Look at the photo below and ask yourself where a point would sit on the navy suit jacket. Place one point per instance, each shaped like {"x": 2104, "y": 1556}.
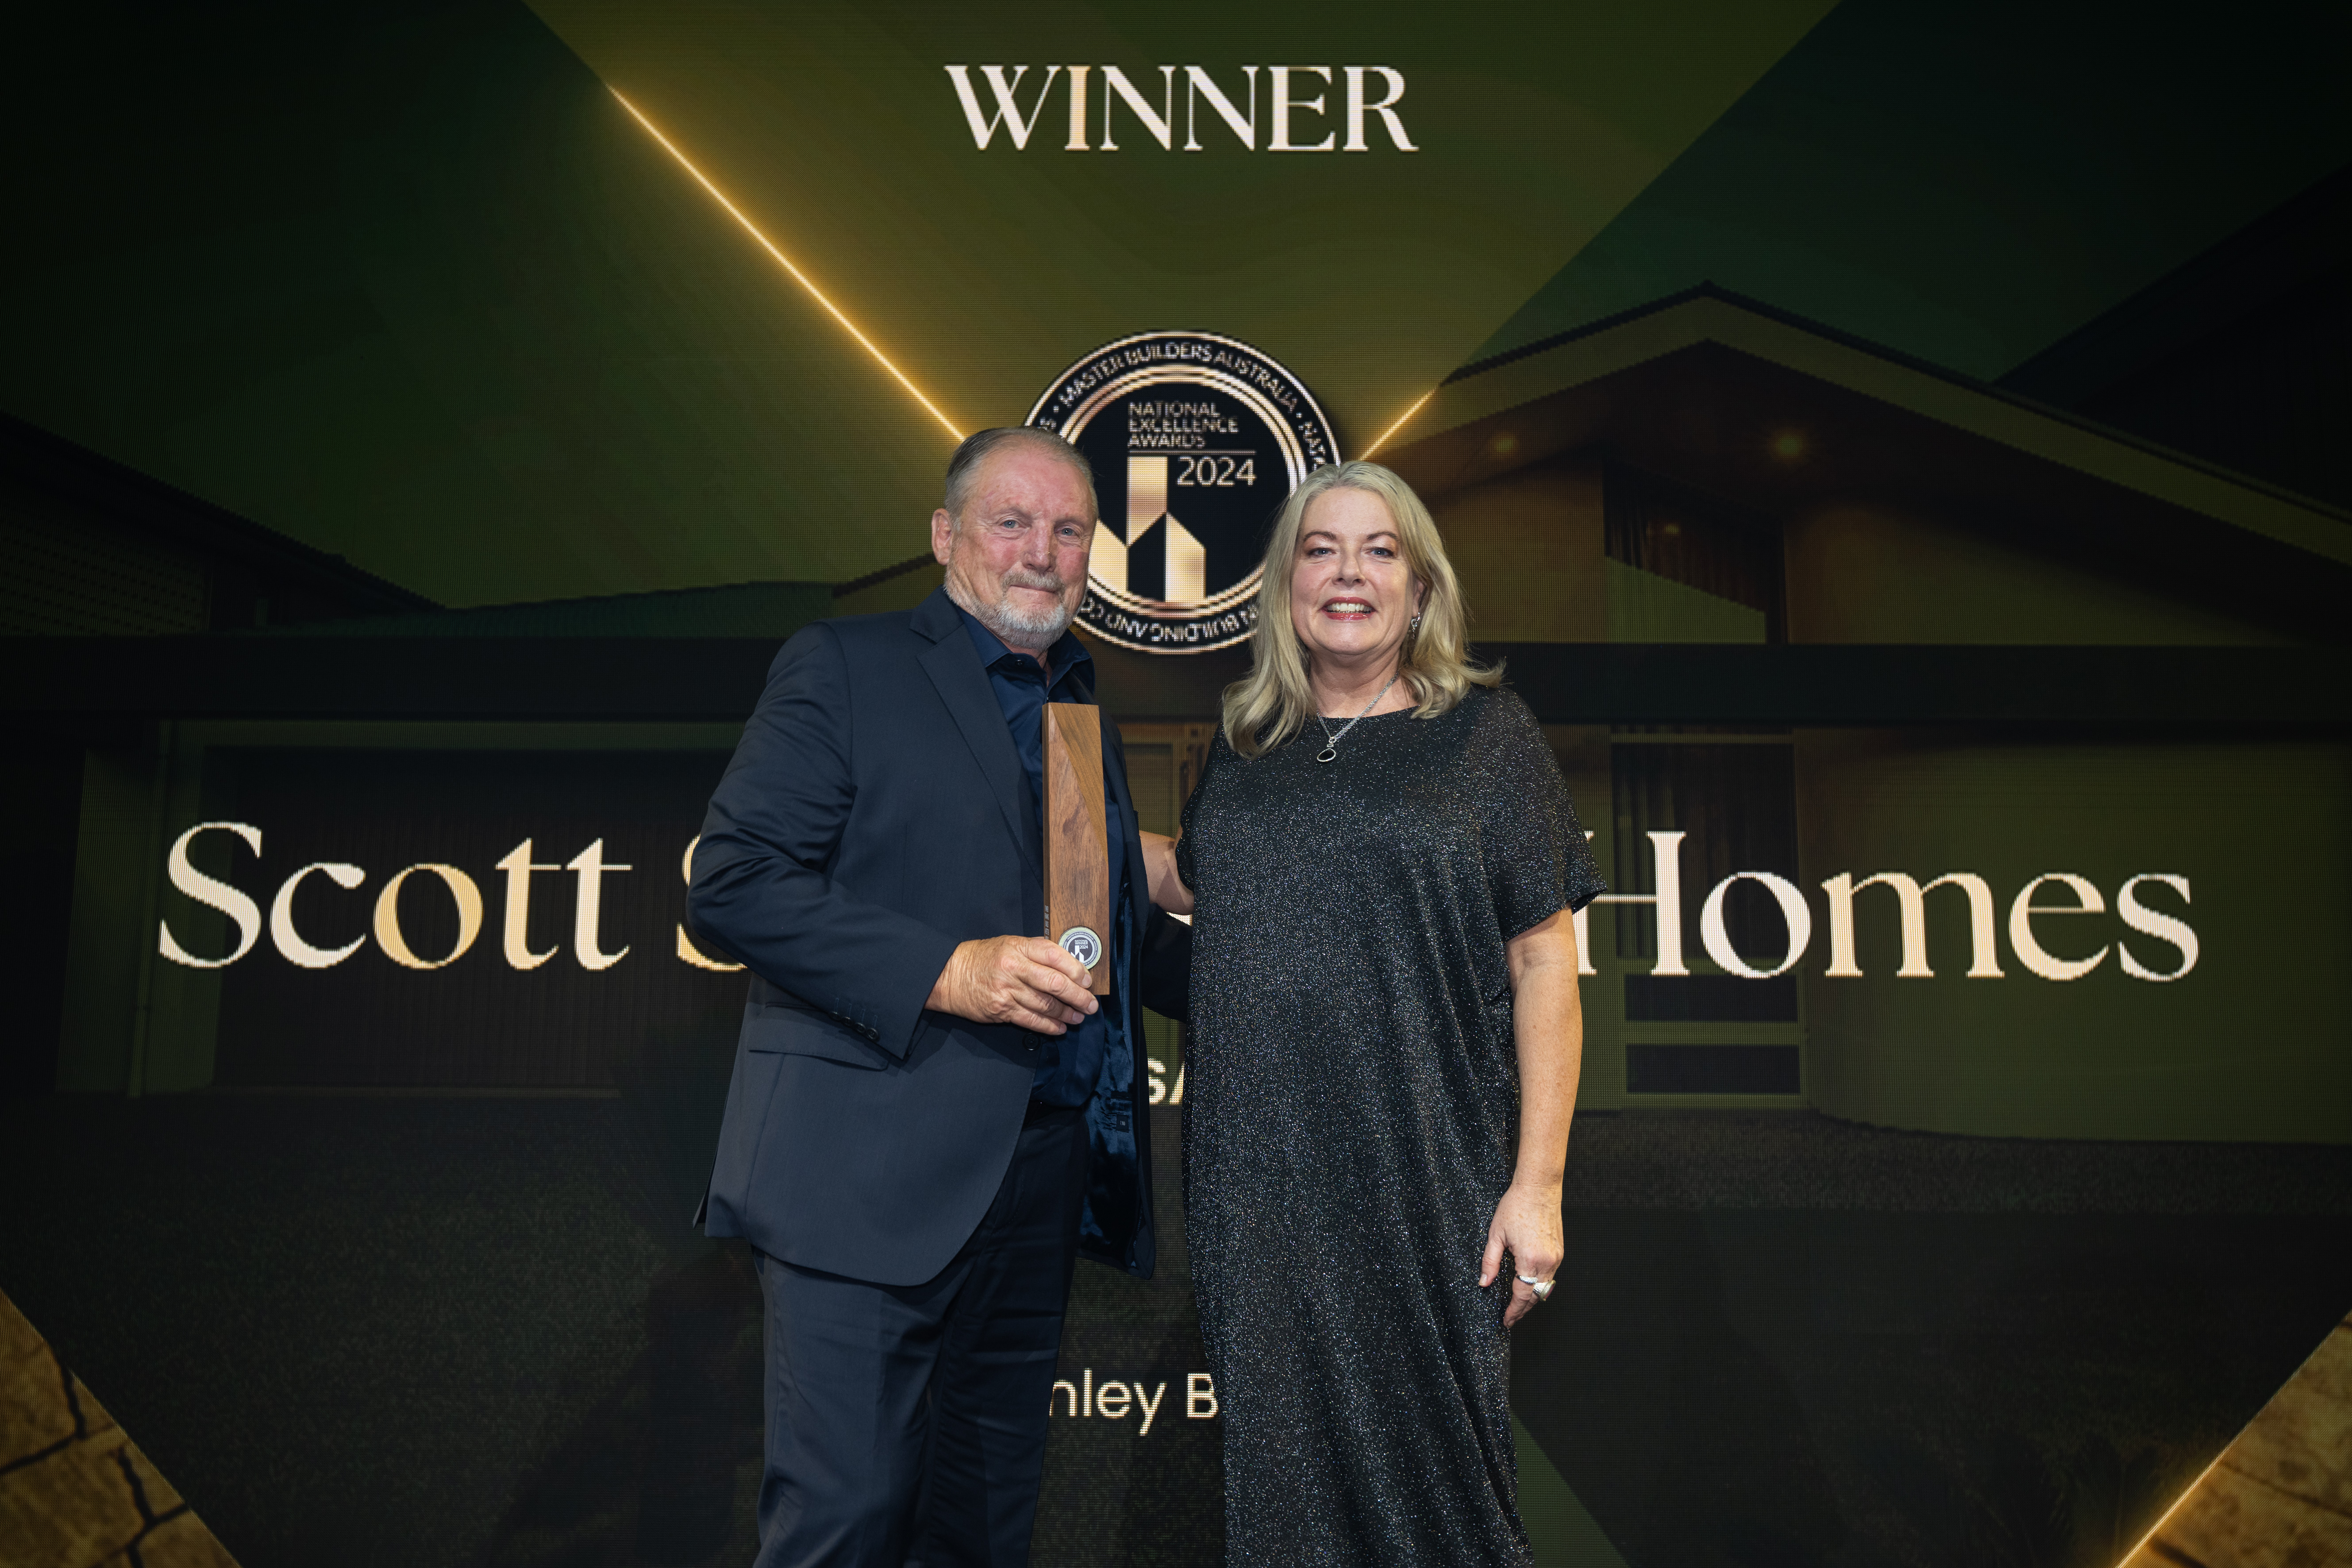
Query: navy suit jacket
{"x": 874, "y": 816}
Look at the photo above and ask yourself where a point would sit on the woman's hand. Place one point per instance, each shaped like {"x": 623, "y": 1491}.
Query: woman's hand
{"x": 1168, "y": 889}
{"x": 1527, "y": 1225}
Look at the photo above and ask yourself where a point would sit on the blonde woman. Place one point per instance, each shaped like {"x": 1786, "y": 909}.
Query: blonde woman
{"x": 1382, "y": 861}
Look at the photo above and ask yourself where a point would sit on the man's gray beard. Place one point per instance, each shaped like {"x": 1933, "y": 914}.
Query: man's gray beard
{"x": 1019, "y": 628}
{"x": 1041, "y": 627}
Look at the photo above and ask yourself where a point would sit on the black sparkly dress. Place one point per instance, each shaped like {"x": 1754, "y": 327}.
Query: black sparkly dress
{"x": 1352, "y": 1119}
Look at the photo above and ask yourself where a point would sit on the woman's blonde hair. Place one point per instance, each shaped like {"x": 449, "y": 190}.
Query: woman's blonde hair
{"x": 1274, "y": 700}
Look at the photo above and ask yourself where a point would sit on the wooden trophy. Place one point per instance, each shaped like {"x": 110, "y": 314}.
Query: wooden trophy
{"x": 1077, "y": 840}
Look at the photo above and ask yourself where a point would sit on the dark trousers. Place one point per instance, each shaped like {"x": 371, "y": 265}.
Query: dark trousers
{"x": 906, "y": 1425}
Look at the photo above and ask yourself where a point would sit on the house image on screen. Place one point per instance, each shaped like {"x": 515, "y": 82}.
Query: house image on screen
{"x": 1958, "y": 761}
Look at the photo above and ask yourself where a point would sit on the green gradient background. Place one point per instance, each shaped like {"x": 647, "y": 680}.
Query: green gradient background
{"x": 407, "y": 284}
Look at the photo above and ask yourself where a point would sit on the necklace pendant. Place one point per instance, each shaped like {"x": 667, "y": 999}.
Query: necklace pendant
{"x": 1328, "y": 753}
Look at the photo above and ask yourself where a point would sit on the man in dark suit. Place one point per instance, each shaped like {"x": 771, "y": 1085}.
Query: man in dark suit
{"x": 930, "y": 1115}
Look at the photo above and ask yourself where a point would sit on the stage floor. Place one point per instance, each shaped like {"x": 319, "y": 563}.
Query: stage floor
{"x": 416, "y": 1331}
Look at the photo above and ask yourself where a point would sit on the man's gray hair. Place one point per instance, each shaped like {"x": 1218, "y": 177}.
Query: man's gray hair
{"x": 963, "y": 469}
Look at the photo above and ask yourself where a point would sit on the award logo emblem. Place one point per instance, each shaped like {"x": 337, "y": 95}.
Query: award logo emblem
{"x": 1083, "y": 944}
{"x": 1195, "y": 440}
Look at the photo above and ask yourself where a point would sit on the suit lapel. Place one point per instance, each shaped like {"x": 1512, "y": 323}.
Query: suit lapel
{"x": 955, "y": 670}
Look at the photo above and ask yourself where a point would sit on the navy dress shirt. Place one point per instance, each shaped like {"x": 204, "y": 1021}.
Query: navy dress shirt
{"x": 1067, "y": 1065}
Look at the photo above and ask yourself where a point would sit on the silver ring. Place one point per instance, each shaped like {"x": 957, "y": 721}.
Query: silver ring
{"x": 1542, "y": 1287}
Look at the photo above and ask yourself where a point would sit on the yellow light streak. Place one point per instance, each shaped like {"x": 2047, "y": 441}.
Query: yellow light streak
{"x": 785, "y": 262}
{"x": 1400, "y": 425}
{"x": 2154, "y": 1530}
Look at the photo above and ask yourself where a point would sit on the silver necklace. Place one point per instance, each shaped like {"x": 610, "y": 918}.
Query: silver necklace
{"x": 1330, "y": 750}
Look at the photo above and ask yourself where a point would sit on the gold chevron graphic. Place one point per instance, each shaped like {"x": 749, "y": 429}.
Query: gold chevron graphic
{"x": 1186, "y": 577}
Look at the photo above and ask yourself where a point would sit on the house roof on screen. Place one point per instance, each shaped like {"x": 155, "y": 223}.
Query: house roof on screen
{"x": 1756, "y": 405}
